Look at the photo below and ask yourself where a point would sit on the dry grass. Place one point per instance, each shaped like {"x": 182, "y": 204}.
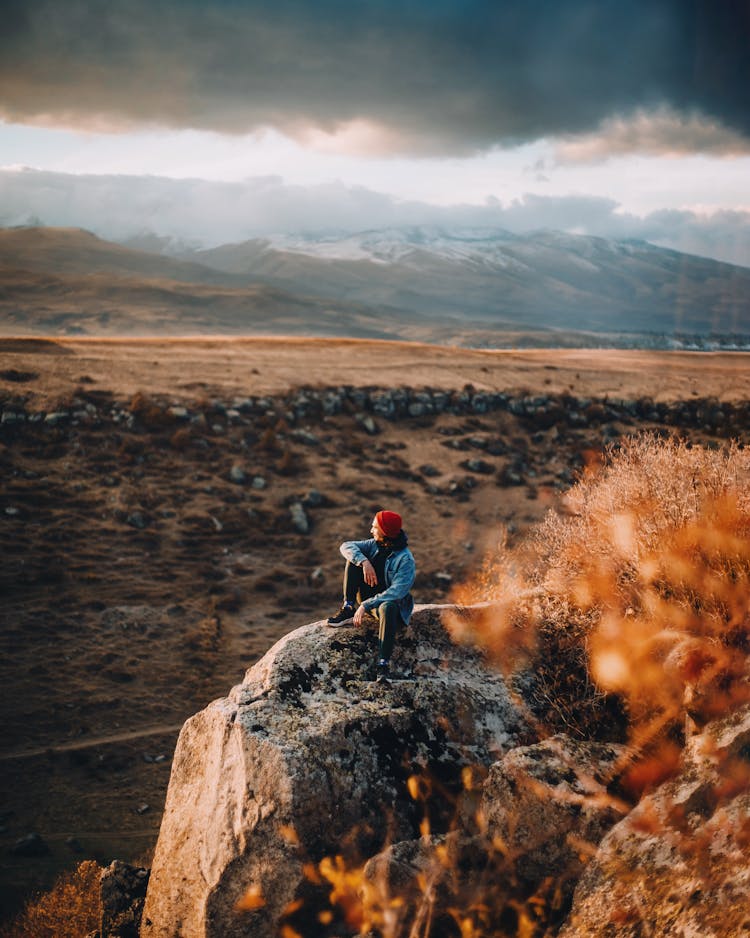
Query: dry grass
{"x": 637, "y": 596}
{"x": 70, "y": 909}
{"x": 463, "y": 884}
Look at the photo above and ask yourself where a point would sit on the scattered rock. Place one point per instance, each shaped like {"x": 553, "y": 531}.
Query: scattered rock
{"x": 31, "y": 845}
{"x": 137, "y": 519}
{"x": 317, "y": 576}
{"x": 143, "y": 809}
{"x": 237, "y": 475}
{"x": 304, "y": 436}
{"x": 314, "y": 499}
{"x": 510, "y": 475}
{"x": 368, "y": 424}
{"x": 258, "y": 482}
{"x": 299, "y": 518}
{"x": 478, "y": 465}
{"x": 58, "y": 416}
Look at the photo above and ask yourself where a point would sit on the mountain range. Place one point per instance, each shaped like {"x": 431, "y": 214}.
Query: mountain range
{"x": 467, "y": 286}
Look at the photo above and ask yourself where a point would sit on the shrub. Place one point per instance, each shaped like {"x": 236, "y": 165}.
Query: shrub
{"x": 69, "y": 910}
{"x": 637, "y": 593}
{"x": 150, "y": 414}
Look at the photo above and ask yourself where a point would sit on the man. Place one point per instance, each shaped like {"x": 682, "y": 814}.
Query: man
{"x": 379, "y": 575}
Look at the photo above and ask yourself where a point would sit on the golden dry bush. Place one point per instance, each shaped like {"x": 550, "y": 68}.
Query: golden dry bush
{"x": 149, "y": 413}
{"x": 637, "y": 591}
{"x": 70, "y": 909}
{"x": 459, "y": 884}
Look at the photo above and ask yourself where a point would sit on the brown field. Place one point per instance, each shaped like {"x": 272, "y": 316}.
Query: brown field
{"x": 188, "y": 367}
{"x": 114, "y": 633}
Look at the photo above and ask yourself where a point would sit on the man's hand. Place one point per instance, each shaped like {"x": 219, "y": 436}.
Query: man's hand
{"x": 359, "y": 615}
{"x": 368, "y": 571}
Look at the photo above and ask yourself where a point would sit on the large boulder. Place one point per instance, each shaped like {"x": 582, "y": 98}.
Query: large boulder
{"x": 547, "y": 805}
{"x": 677, "y": 864}
{"x": 309, "y": 758}
{"x": 543, "y": 810}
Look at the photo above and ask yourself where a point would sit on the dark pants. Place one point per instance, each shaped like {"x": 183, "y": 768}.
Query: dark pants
{"x": 387, "y": 614}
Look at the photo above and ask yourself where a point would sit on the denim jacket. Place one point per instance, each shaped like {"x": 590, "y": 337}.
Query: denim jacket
{"x": 400, "y": 571}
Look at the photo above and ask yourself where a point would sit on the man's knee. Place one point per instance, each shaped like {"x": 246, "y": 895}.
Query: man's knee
{"x": 389, "y": 612}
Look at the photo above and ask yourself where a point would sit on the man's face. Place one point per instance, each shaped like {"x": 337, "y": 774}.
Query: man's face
{"x": 377, "y": 532}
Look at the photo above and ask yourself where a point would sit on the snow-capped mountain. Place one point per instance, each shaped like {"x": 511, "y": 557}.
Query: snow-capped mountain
{"x": 470, "y": 286}
{"x": 493, "y": 278}
{"x": 478, "y": 246}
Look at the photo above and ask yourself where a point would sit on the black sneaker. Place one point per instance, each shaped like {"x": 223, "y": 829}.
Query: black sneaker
{"x": 383, "y": 673}
{"x": 344, "y": 616}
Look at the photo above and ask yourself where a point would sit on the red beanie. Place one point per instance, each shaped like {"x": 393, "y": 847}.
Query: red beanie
{"x": 389, "y": 522}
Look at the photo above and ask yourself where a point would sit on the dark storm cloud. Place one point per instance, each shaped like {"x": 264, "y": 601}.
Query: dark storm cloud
{"x": 441, "y": 75}
{"x": 211, "y": 213}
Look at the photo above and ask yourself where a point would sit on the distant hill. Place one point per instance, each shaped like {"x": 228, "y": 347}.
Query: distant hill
{"x": 472, "y": 287}
{"x": 65, "y": 252}
{"x": 490, "y": 278}
{"x": 64, "y": 281}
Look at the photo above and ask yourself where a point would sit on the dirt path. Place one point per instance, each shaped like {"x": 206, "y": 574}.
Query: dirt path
{"x": 92, "y": 742}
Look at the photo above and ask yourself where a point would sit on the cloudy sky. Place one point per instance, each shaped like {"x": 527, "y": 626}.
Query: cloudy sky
{"x": 232, "y": 119}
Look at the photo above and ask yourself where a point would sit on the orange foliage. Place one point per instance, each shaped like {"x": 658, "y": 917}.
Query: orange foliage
{"x": 641, "y": 590}
{"x": 251, "y": 900}
{"x": 70, "y": 909}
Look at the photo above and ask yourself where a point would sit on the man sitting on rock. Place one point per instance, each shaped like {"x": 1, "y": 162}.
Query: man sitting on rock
{"x": 379, "y": 575}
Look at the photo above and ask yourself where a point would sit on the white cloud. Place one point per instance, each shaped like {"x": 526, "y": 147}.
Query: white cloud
{"x": 214, "y": 212}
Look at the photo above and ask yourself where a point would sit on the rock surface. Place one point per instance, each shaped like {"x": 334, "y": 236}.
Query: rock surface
{"x": 549, "y": 801}
{"x": 677, "y": 864}
{"x": 307, "y": 755}
{"x": 543, "y": 810}
{"x": 123, "y": 891}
